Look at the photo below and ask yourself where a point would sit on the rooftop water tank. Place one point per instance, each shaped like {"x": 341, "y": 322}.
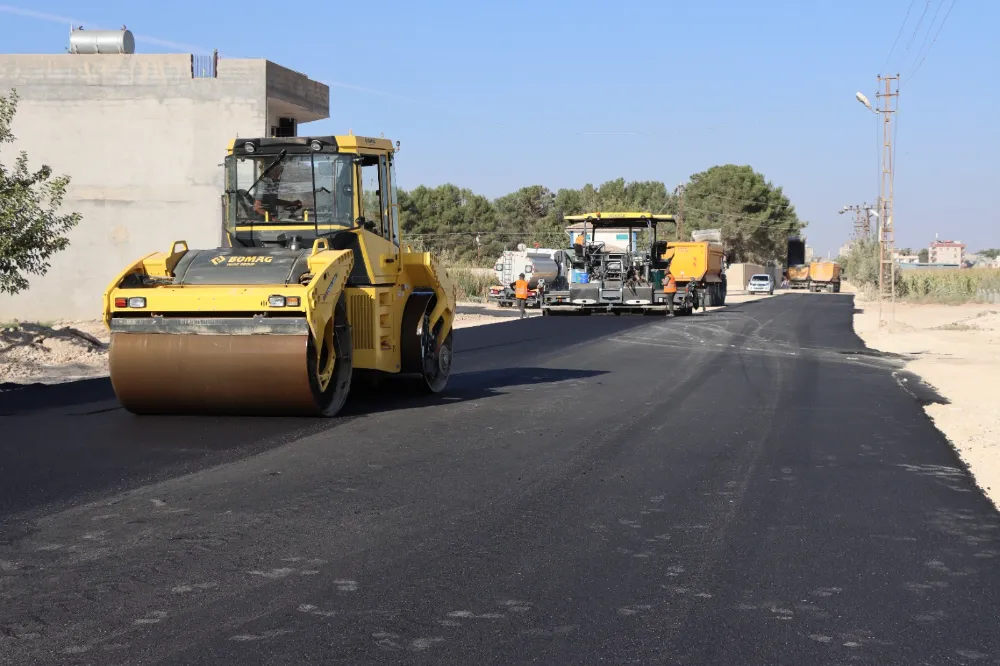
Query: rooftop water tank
{"x": 91, "y": 42}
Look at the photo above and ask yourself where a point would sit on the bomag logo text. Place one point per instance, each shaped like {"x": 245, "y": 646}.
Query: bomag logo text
{"x": 241, "y": 261}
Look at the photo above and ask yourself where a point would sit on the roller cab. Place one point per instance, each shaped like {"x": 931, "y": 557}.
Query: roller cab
{"x": 310, "y": 290}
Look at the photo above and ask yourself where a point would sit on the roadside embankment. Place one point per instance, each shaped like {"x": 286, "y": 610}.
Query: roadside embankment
{"x": 956, "y": 350}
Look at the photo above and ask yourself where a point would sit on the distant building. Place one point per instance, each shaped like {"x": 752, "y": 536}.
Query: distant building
{"x": 902, "y": 258}
{"x": 946, "y": 252}
{"x": 143, "y": 137}
{"x": 810, "y": 254}
{"x": 845, "y": 249}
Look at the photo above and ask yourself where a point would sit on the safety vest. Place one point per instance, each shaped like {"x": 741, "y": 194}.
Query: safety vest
{"x": 670, "y": 286}
{"x": 521, "y": 289}
{"x": 579, "y": 240}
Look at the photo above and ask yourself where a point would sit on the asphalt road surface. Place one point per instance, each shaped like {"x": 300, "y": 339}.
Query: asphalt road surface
{"x": 744, "y": 486}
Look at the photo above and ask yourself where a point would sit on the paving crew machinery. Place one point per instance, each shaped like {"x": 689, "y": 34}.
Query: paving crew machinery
{"x": 597, "y": 278}
{"x": 697, "y": 271}
{"x": 310, "y": 291}
{"x": 795, "y": 264}
{"x": 824, "y": 275}
{"x": 541, "y": 267}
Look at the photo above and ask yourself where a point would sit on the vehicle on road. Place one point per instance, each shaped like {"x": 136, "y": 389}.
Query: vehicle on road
{"x": 824, "y": 275}
{"x": 697, "y": 271}
{"x": 597, "y": 278}
{"x": 762, "y": 283}
{"x": 796, "y": 267}
{"x": 537, "y": 264}
{"x": 311, "y": 291}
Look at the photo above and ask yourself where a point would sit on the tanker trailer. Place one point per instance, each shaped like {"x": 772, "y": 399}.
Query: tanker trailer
{"x": 537, "y": 264}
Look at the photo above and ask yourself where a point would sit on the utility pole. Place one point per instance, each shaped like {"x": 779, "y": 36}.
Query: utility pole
{"x": 862, "y": 225}
{"x": 888, "y": 101}
{"x": 679, "y": 191}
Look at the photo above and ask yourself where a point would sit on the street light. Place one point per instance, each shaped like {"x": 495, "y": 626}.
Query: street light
{"x": 864, "y": 100}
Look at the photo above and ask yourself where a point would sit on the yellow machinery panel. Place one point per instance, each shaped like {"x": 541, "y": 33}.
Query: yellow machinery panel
{"x": 311, "y": 285}
{"x": 699, "y": 261}
{"x": 824, "y": 271}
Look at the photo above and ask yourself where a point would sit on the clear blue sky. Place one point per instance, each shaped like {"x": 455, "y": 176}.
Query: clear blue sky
{"x": 498, "y": 97}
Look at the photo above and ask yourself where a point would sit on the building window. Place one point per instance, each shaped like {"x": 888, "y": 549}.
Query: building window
{"x": 284, "y": 128}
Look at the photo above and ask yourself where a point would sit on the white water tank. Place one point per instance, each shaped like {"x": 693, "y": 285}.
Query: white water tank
{"x": 93, "y": 42}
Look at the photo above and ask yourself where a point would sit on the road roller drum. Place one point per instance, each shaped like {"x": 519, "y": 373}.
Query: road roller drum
{"x": 311, "y": 285}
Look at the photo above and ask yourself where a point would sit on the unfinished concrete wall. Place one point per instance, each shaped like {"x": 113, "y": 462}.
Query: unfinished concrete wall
{"x": 143, "y": 141}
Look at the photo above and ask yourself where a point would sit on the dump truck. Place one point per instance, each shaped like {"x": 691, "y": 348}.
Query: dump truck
{"x": 539, "y": 265}
{"x": 309, "y": 291}
{"x": 697, "y": 273}
{"x": 824, "y": 275}
{"x": 597, "y": 278}
{"x": 796, "y": 268}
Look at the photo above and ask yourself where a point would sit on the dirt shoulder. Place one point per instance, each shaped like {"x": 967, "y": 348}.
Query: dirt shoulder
{"x": 957, "y": 352}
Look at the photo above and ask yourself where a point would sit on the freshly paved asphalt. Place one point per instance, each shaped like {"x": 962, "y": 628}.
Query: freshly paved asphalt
{"x": 744, "y": 486}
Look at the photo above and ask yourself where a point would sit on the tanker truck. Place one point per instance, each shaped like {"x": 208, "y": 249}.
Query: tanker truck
{"x": 537, "y": 264}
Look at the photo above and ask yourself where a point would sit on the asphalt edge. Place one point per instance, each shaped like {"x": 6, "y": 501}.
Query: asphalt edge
{"x": 926, "y": 394}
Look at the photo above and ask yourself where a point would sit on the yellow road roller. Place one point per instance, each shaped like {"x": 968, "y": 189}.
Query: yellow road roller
{"x": 309, "y": 290}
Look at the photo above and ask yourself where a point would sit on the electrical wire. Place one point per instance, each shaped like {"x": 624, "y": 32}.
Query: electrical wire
{"x": 927, "y": 34}
{"x": 916, "y": 29}
{"x": 941, "y": 27}
{"x": 895, "y": 41}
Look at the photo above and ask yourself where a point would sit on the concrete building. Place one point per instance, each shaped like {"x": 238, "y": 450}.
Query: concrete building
{"x": 143, "y": 137}
{"x": 905, "y": 258}
{"x": 946, "y": 252}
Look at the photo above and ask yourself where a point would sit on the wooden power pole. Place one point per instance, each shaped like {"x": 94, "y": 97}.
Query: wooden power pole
{"x": 680, "y": 211}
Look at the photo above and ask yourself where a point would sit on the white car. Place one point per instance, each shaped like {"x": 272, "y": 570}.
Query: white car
{"x": 760, "y": 284}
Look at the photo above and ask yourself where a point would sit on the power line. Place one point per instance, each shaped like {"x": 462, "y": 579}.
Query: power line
{"x": 752, "y": 201}
{"x": 895, "y": 41}
{"x": 916, "y": 28}
{"x": 941, "y": 27}
{"x": 927, "y": 34}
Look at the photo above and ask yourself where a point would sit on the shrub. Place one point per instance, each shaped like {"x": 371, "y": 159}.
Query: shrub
{"x": 473, "y": 284}
{"x": 959, "y": 285}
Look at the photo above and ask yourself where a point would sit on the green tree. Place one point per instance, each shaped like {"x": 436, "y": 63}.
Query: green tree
{"x": 529, "y": 216}
{"x": 923, "y": 256}
{"x": 992, "y": 253}
{"x": 30, "y": 229}
{"x": 861, "y": 267}
{"x": 755, "y": 217}
{"x": 445, "y": 220}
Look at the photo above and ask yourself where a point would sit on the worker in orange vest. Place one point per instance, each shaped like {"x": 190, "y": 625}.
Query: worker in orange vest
{"x": 670, "y": 288}
{"x": 521, "y": 293}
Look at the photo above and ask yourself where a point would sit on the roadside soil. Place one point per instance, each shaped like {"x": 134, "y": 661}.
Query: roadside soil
{"x": 73, "y": 350}
{"x": 956, "y": 350}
